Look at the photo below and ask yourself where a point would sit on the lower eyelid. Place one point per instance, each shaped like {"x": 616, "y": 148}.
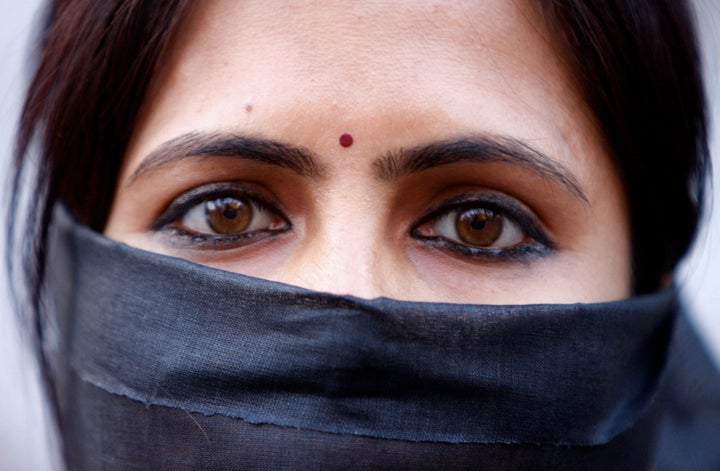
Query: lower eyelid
{"x": 182, "y": 239}
{"x": 526, "y": 253}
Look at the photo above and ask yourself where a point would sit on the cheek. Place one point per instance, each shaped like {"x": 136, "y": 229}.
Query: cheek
{"x": 606, "y": 249}
{"x": 606, "y": 254}
{"x": 593, "y": 262}
{"x": 567, "y": 278}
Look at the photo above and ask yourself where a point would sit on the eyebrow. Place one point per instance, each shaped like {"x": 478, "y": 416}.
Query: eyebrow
{"x": 204, "y": 145}
{"x": 391, "y": 166}
{"x": 477, "y": 149}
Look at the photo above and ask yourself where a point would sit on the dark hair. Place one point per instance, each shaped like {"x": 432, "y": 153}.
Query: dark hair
{"x": 96, "y": 59}
{"x": 636, "y": 62}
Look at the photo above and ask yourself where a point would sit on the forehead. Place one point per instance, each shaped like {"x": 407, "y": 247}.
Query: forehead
{"x": 393, "y": 74}
{"x": 434, "y": 65}
{"x": 361, "y": 41}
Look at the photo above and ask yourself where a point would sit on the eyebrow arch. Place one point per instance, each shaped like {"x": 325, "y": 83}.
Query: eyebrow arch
{"x": 203, "y": 145}
{"x": 481, "y": 149}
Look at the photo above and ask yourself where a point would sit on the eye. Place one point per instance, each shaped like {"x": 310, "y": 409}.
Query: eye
{"x": 228, "y": 215}
{"x": 478, "y": 227}
{"x": 492, "y": 227}
{"x": 221, "y": 217}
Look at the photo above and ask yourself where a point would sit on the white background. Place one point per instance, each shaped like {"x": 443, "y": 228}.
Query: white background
{"x": 24, "y": 441}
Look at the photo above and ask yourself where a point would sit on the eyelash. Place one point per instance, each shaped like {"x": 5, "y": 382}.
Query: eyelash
{"x": 169, "y": 221}
{"x": 537, "y": 245}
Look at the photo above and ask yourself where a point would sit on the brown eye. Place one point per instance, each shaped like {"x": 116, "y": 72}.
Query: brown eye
{"x": 228, "y": 215}
{"x": 475, "y": 227}
{"x": 479, "y": 227}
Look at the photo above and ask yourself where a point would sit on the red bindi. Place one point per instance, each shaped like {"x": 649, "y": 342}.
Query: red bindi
{"x": 346, "y": 140}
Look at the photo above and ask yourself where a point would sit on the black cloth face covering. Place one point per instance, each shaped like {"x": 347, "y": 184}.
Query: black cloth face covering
{"x": 159, "y": 363}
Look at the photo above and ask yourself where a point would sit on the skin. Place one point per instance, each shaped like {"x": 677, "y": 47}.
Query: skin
{"x": 394, "y": 75}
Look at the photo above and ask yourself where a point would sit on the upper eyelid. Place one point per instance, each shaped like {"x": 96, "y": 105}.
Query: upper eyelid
{"x": 525, "y": 217}
{"x": 502, "y": 203}
{"x": 201, "y": 193}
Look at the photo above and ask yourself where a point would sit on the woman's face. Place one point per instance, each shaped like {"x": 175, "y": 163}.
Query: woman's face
{"x": 475, "y": 174}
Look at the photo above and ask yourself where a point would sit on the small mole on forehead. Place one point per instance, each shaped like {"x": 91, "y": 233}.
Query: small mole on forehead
{"x": 346, "y": 140}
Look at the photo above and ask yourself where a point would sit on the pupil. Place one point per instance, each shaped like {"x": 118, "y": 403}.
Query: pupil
{"x": 228, "y": 215}
{"x": 477, "y": 223}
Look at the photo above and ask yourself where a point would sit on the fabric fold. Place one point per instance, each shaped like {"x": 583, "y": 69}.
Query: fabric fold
{"x": 167, "y": 332}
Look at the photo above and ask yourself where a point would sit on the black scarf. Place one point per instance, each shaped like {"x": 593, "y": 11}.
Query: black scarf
{"x": 160, "y": 363}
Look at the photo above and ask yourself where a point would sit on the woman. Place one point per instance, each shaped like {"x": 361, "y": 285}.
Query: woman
{"x": 485, "y": 165}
